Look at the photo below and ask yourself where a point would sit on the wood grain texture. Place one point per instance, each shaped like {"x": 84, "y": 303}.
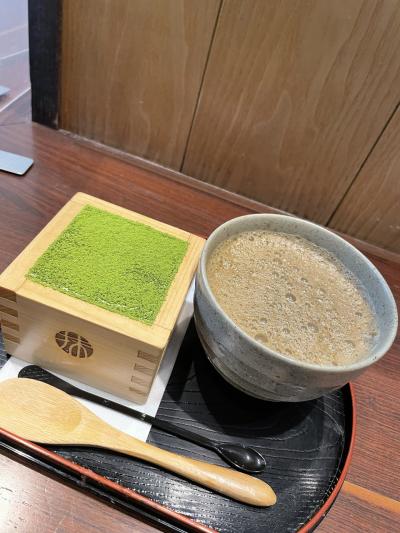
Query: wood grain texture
{"x": 31, "y": 502}
{"x": 379, "y": 419}
{"x": 229, "y": 196}
{"x": 107, "y": 331}
{"x": 371, "y": 497}
{"x": 28, "y": 203}
{"x": 294, "y": 96}
{"x": 132, "y": 79}
{"x": 49, "y": 416}
{"x": 350, "y": 514}
{"x": 304, "y": 447}
{"x": 14, "y": 277}
{"x": 298, "y": 497}
{"x": 370, "y": 209}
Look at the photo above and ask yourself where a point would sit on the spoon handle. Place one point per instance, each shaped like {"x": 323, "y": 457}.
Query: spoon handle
{"x": 36, "y": 372}
{"x": 236, "y": 485}
{"x": 238, "y": 456}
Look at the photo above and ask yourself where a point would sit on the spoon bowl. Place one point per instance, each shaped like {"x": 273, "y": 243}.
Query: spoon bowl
{"x": 242, "y": 457}
{"x": 39, "y": 412}
{"x": 239, "y": 456}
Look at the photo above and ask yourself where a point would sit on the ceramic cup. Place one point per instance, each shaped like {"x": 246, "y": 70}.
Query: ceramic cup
{"x": 260, "y": 371}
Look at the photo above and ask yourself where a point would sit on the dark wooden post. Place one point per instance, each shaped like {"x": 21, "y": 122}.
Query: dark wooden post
{"x": 44, "y": 46}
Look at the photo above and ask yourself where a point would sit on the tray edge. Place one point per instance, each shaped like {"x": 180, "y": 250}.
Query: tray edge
{"x": 168, "y": 513}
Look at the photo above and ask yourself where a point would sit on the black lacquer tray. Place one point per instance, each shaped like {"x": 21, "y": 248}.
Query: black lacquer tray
{"x": 307, "y": 447}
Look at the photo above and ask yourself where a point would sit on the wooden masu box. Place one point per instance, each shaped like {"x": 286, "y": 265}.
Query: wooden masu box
{"x": 81, "y": 340}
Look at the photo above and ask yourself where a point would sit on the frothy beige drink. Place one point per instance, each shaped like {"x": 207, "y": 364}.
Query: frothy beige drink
{"x": 293, "y": 297}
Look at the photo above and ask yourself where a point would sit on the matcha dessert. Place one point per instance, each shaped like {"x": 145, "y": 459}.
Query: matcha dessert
{"x": 107, "y": 260}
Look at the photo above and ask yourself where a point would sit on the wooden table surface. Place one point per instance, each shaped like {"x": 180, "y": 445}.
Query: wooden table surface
{"x": 31, "y": 501}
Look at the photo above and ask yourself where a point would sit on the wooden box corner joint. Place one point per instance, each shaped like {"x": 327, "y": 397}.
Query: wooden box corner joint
{"x": 81, "y": 340}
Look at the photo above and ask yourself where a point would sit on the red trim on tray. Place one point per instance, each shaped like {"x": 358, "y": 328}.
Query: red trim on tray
{"x": 129, "y": 493}
{"x": 197, "y": 526}
{"x": 316, "y": 519}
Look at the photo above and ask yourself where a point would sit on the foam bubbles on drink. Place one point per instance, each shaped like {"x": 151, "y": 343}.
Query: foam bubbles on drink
{"x": 293, "y": 297}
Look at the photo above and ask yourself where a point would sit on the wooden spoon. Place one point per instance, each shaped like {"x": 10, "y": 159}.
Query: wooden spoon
{"x": 39, "y": 412}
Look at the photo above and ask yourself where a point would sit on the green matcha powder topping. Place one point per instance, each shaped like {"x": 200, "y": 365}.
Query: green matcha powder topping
{"x": 107, "y": 260}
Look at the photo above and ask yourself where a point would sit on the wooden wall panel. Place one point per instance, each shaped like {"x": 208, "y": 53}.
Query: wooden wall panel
{"x": 371, "y": 209}
{"x": 294, "y": 96}
{"x": 131, "y": 72}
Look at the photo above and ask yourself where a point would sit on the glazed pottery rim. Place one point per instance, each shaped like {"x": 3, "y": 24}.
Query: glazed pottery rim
{"x": 363, "y": 363}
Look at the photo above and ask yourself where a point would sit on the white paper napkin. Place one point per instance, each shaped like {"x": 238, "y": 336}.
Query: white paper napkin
{"x": 125, "y": 423}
